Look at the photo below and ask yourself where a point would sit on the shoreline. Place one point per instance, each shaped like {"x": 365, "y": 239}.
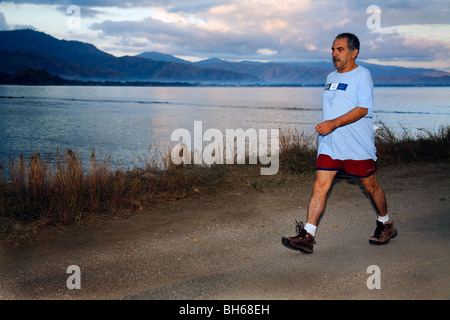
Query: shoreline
{"x": 65, "y": 191}
{"x": 205, "y": 85}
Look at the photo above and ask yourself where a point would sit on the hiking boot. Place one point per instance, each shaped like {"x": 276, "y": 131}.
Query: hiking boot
{"x": 383, "y": 233}
{"x": 302, "y": 242}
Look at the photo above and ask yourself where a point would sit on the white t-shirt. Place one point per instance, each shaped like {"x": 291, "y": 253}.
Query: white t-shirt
{"x": 343, "y": 92}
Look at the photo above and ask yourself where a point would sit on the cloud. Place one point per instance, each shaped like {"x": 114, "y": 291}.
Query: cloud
{"x": 232, "y": 28}
{"x": 394, "y": 46}
{"x": 266, "y": 52}
{"x": 3, "y": 24}
{"x": 285, "y": 30}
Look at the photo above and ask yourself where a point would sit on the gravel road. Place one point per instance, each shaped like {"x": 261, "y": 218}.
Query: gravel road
{"x": 228, "y": 246}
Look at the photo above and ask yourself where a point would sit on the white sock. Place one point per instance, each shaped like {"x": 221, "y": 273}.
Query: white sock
{"x": 383, "y": 219}
{"x": 311, "y": 229}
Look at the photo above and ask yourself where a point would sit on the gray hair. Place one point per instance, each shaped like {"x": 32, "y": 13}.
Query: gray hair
{"x": 352, "y": 41}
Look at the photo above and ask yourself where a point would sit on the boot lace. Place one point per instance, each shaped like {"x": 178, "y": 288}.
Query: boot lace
{"x": 301, "y": 232}
{"x": 379, "y": 230}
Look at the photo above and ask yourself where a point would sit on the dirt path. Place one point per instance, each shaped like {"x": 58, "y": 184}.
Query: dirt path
{"x": 227, "y": 246}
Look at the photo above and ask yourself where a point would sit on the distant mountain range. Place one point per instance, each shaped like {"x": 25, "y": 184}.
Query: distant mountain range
{"x": 25, "y": 53}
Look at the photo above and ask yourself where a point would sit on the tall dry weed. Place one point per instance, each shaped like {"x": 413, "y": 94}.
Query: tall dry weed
{"x": 63, "y": 191}
{"x": 425, "y": 147}
{"x": 297, "y": 151}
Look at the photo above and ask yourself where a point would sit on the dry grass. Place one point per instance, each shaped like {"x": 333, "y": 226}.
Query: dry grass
{"x": 62, "y": 191}
{"x": 298, "y": 152}
{"x": 427, "y": 147}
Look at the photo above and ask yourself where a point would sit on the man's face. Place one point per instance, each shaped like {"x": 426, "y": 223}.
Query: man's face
{"x": 343, "y": 58}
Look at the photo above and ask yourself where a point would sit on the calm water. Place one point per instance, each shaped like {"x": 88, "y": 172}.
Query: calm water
{"x": 124, "y": 122}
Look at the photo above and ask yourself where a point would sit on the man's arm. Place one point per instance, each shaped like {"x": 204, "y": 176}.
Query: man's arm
{"x": 353, "y": 115}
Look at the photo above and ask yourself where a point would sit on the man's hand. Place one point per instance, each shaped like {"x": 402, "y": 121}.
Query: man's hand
{"x": 326, "y": 127}
{"x": 353, "y": 115}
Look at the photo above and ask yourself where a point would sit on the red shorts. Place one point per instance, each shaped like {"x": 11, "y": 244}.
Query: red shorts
{"x": 357, "y": 168}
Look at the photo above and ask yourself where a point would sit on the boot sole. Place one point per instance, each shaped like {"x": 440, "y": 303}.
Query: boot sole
{"x": 377, "y": 243}
{"x": 287, "y": 244}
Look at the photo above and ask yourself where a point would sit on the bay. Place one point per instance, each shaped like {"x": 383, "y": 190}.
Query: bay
{"x": 127, "y": 124}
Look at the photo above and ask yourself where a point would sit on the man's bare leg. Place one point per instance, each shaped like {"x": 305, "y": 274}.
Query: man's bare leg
{"x": 304, "y": 240}
{"x": 318, "y": 199}
{"x": 385, "y": 228}
{"x": 378, "y": 197}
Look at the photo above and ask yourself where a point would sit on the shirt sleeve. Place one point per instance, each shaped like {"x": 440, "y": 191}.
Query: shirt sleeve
{"x": 365, "y": 92}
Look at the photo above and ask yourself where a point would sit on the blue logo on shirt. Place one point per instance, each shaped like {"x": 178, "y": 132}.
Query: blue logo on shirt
{"x": 336, "y": 86}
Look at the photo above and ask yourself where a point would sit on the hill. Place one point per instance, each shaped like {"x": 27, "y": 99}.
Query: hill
{"x": 28, "y": 40}
{"x": 315, "y": 73}
{"x": 157, "y": 56}
{"x": 14, "y": 61}
{"x": 32, "y": 77}
{"x": 39, "y": 77}
{"x": 21, "y": 49}
{"x": 75, "y": 60}
{"x": 276, "y": 73}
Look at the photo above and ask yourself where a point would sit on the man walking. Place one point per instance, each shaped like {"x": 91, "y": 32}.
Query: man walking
{"x": 346, "y": 143}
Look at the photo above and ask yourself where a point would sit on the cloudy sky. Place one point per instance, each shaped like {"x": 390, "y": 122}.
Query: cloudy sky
{"x": 408, "y": 33}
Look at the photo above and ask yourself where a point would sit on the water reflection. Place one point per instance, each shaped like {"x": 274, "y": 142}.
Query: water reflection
{"x": 126, "y": 122}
